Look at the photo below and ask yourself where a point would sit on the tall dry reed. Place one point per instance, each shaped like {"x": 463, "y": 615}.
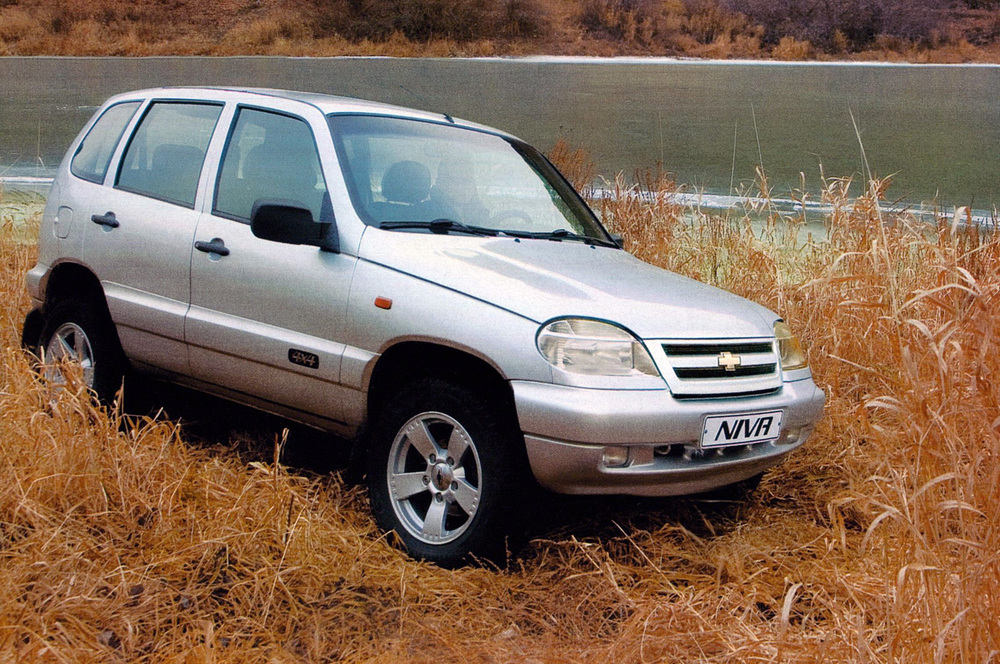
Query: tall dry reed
{"x": 878, "y": 541}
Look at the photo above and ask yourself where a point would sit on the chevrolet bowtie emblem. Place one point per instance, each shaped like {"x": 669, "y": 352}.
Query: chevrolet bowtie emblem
{"x": 729, "y": 361}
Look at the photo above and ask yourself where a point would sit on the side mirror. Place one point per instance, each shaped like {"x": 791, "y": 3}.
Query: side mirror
{"x": 289, "y": 222}
{"x": 618, "y": 239}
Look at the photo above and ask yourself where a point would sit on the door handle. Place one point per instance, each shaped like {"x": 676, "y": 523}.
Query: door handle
{"x": 107, "y": 219}
{"x": 216, "y": 246}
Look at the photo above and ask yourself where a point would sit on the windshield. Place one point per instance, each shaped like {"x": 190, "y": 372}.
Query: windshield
{"x": 408, "y": 173}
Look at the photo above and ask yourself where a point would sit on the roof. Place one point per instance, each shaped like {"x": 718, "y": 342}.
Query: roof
{"x": 328, "y": 104}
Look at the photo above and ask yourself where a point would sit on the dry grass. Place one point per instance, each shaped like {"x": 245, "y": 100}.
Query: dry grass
{"x": 878, "y": 541}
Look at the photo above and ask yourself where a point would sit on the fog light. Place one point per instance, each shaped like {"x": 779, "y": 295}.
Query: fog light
{"x": 615, "y": 457}
{"x": 788, "y": 436}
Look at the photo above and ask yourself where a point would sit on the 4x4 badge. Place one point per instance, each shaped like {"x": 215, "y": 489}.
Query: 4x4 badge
{"x": 303, "y": 358}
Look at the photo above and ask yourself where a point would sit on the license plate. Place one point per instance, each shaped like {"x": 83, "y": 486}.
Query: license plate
{"x": 725, "y": 430}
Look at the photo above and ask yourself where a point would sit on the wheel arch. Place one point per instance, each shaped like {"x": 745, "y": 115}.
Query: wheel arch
{"x": 70, "y": 280}
{"x": 407, "y": 361}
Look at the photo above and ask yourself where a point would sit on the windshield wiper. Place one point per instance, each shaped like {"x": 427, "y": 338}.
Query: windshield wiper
{"x": 440, "y": 226}
{"x": 559, "y": 234}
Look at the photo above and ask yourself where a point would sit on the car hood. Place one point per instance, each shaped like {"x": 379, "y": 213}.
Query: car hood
{"x": 545, "y": 279}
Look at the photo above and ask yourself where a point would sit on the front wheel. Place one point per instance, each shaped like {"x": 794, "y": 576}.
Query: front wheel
{"x": 439, "y": 472}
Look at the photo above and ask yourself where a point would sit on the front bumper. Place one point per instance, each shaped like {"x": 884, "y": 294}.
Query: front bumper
{"x": 645, "y": 442}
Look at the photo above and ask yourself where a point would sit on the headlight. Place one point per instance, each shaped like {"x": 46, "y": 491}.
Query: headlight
{"x": 792, "y": 355}
{"x": 593, "y": 347}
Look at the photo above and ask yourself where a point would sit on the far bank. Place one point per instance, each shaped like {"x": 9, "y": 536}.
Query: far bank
{"x": 927, "y": 31}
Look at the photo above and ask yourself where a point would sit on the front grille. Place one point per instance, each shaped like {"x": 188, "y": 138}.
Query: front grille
{"x": 721, "y": 367}
{"x": 687, "y": 350}
{"x": 721, "y": 372}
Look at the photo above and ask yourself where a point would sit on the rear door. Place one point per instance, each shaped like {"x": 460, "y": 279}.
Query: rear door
{"x": 266, "y": 319}
{"x": 139, "y": 232}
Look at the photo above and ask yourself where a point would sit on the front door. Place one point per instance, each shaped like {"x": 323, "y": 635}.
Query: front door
{"x": 266, "y": 319}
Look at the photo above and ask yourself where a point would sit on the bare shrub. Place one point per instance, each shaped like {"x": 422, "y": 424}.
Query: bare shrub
{"x": 430, "y": 19}
{"x": 17, "y": 24}
{"x": 677, "y": 24}
{"x": 858, "y": 22}
{"x": 708, "y": 21}
{"x": 518, "y": 19}
{"x": 790, "y": 48}
{"x": 575, "y": 164}
{"x": 620, "y": 19}
{"x": 983, "y": 30}
{"x": 264, "y": 32}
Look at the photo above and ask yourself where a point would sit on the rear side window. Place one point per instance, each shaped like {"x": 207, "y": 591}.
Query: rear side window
{"x": 163, "y": 159}
{"x": 94, "y": 154}
{"x": 270, "y": 156}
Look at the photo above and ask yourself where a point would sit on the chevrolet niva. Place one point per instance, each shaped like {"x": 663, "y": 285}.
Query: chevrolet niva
{"x": 431, "y": 289}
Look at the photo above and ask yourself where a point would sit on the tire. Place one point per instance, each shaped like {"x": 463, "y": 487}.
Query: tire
{"x": 77, "y": 331}
{"x": 440, "y": 472}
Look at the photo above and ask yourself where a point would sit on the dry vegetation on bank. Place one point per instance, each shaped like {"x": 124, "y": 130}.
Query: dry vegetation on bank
{"x": 910, "y": 30}
{"x": 879, "y": 541}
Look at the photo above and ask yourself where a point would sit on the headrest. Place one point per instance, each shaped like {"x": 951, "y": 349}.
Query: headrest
{"x": 406, "y": 182}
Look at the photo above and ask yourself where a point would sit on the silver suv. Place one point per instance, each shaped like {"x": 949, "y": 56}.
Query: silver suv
{"x": 429, "y": 288}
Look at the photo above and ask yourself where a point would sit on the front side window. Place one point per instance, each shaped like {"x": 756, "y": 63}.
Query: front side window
{"x": 401, "y": 171}
{"x": 270, "y": 156}
{"x": 165, "y": 155}
{"x": 94, "y": 153}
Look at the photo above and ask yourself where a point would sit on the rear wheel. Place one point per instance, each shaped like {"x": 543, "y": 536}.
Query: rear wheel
{"x": 77, "y": 333}
{"x": 440, "y": 472}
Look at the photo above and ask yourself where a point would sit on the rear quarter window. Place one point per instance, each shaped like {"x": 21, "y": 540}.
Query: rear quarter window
{"x": 94, "y": 153}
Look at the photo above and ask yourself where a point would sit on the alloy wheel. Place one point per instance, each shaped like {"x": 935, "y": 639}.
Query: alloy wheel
{"x": 435, "y": 478}
{"x": 69, "y": 344}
